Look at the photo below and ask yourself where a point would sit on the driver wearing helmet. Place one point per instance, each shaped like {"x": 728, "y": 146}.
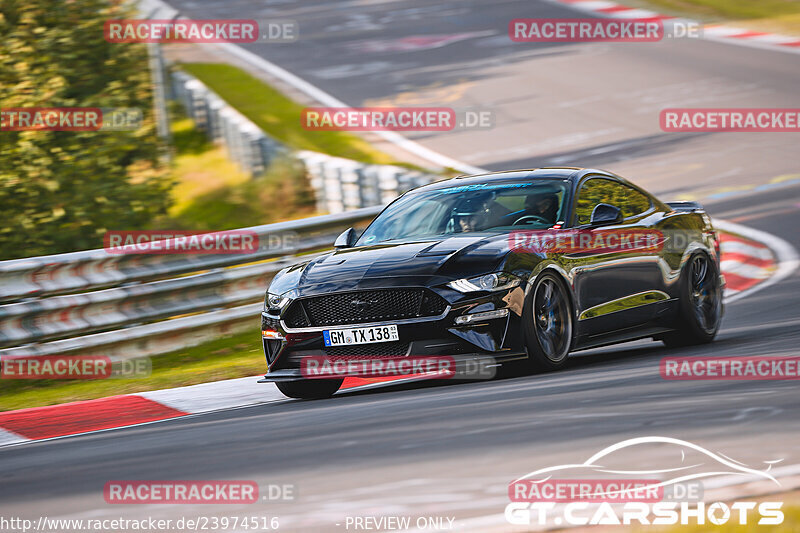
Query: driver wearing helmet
{"x": 468, "y": 215}
{"x": 543, "y": 206}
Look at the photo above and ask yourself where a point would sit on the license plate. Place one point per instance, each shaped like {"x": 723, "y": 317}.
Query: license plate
{"x": 348, "y": 337}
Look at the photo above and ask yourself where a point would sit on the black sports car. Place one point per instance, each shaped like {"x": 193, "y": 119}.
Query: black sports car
{"x": 524, "y": 266}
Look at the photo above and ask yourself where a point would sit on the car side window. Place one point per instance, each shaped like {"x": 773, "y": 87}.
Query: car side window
{"x": 635, "y": 203}
{"x": 604, "y": 191}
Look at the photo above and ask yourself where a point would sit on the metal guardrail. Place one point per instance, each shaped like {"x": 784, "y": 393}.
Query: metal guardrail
{"x": 80, "y": 314}
{"x": 129, "y": 305}
{"x": 92, "y": 269}
{"x": 95, "y": 300}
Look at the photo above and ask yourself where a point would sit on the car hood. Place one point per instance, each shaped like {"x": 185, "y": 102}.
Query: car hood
{"x": 419, "y": 262}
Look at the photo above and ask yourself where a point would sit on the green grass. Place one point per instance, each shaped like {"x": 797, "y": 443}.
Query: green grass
{"x": 282, "y": 193}
{"x": 730, "y": 9}
{"x": 212, "y": 193}
{"x": 771, "y": 16}
{"x": 279, "y": 116}
{"x": 234, "y": 356}
{"x": 199, "y": 167}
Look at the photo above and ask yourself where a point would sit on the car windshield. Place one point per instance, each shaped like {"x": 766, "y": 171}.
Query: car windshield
{"x": 483, "y": 207}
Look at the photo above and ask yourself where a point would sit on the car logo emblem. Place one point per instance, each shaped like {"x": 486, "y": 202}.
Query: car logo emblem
{"x": 362, "y": 305}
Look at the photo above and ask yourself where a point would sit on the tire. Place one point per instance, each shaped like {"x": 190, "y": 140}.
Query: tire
{"x": 548, "y": 324}
{"x": 309, "y": 389}
{"x": 700, "y": 305}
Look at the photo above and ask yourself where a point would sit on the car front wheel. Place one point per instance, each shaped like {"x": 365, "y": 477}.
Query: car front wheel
{"x": 548, "y": 324}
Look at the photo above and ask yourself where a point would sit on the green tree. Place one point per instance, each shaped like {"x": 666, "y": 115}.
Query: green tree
{"x": 60, "y": 191}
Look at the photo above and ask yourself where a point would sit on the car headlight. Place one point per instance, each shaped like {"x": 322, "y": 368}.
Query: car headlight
{"x": 276, "y": 302}
{"x": 488, "y": 282}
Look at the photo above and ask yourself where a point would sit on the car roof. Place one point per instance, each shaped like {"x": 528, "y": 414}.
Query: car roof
{"x": 573, "y": 174}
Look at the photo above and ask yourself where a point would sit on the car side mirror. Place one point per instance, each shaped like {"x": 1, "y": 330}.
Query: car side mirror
{"x": 605, "y": 214}
{"x": 347, "y": 239}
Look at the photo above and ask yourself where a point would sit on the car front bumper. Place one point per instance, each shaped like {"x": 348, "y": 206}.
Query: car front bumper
{"x": 497, "y": 337}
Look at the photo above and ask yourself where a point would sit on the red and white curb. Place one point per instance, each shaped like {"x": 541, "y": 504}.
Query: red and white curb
{"x": 604, "y": 8}
{"x": 77, "y": 418}
{"x": 712, "y": 32}
{"x": 751, "y": 260}
{"x": 744, "y": 263}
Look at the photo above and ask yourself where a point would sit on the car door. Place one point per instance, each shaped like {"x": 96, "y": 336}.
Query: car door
{"x": 614, "y": 287}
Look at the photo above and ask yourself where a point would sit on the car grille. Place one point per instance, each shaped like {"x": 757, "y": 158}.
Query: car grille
{"x": 374, "y": 351}
{"x": 360, "y": 307}
{"x": 382, "y": 350}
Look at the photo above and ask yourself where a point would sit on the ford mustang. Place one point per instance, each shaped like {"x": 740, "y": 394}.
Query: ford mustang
{"x": 523, "y": 266}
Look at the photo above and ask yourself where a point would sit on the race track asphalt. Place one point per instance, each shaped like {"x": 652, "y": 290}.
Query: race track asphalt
{"x": 447, "y": 450}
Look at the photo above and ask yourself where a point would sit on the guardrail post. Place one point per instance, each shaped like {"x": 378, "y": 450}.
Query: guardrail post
{"x": 388, "y": 184}
{"x": 215, "y": 106}
{"x": 196, "y": 108}
{"x": 333, "y": 187}
{"x": 351, "y": 186}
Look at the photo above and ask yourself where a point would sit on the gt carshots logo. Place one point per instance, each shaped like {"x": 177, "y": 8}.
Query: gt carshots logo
{"x": 550, "y": 496}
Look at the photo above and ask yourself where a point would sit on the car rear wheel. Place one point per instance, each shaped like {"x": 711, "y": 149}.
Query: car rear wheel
{"x": 310, "y": 389}
{"x": 548, "y": 324}
{"x": 700, "y": 308}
